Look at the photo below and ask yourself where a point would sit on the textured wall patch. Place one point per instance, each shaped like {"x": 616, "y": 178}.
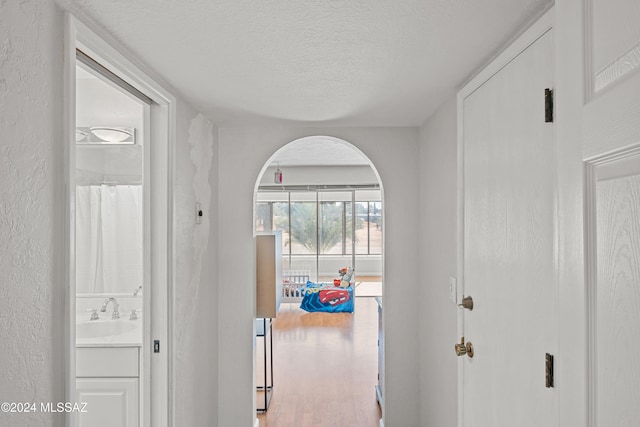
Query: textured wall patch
{"x": 201, "y": 142}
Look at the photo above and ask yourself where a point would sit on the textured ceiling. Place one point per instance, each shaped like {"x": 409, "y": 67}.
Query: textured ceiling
{"x": 313, "y": 62}
{"x": 318, "y": 151}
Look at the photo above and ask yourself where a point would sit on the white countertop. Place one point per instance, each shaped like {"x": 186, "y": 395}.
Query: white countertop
{"x": 126, "y": 333}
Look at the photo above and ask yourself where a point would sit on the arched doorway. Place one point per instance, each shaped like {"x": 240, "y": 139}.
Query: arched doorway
{"x": 325, "y": 197}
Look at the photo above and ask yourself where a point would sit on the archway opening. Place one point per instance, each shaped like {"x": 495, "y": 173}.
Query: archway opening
{"x": 324, "y": 196}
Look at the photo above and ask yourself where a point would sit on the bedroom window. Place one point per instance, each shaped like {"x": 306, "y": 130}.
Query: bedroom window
{"x": 368, "y": 228}
{"x": 322, "y": 223}
{"x": 331, "y": 228}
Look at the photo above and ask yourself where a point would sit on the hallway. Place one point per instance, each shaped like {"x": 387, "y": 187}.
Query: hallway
{"x": 325, "y": 368}
{"x": 231, "y": 84}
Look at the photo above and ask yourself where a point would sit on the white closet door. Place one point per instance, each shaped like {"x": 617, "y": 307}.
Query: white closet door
{"x": 509, "y": 243}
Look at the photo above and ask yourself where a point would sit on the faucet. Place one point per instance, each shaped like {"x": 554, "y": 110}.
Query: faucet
{"x": 116, "y": 314}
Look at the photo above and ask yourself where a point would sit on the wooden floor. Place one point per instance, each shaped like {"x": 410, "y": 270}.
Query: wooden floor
{"x": 325, "y": 368}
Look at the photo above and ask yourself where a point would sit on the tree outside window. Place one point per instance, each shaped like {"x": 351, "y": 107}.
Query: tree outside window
{"x": 329, "y": 234}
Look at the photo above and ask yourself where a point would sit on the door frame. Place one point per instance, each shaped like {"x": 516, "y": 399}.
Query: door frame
{"x": 543, "y": 24}
{"x": 256, "y": 188}
{"x": 158, "y": 402}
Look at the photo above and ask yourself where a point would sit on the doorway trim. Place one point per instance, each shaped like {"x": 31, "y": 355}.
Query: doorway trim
{"x": 256, "y": 188}
{"x": 158, "y": 404}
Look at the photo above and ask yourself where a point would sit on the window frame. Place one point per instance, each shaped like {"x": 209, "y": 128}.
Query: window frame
{"x": 288, "y": 250}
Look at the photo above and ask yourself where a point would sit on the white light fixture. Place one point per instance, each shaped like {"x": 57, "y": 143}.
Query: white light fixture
{"x": 113, "y": 135}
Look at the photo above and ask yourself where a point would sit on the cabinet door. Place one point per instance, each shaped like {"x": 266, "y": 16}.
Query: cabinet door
{"x": 111, "y": 402}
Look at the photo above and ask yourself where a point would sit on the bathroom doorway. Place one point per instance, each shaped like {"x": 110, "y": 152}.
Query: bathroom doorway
{"x": 118, "y": 246}
{"x": 110, "y": 273}
{"x": 325, "y": 198}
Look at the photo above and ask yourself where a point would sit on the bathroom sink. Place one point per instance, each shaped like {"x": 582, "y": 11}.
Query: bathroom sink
{"x": 104, "y": 328}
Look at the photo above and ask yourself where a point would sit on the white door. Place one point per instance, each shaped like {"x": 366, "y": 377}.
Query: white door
{"x": 614, "y": 288}
{"x": 611, "y": 147}
{"x": 509, "y": 239}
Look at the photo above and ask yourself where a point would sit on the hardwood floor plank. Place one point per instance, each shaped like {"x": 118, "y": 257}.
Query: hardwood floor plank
{"x": 325, "y": 368}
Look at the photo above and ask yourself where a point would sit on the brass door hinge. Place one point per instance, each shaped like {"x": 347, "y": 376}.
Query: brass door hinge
{"x": 549, "y": 370}
{"x": 548, "y": 105}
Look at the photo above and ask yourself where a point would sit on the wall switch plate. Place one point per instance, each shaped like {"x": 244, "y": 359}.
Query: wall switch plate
{"x": 199, "y": 213}
{"x": 453, "y": 285}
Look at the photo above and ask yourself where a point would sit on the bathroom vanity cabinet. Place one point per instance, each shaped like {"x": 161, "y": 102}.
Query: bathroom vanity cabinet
{"x": 107, "y": 379}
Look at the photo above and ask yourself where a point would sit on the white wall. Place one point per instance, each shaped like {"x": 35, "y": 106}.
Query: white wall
{"x": 322, "y": 175}
{"x": 31, "y": 211}
{"x": 32, "y": 222}
{"x": 196, "y": 270}
{"x": 437, "y": 259}
{"x": 95, "y": 164}
{"x": 243, "y": 153}
{"x": 101, "y": 104}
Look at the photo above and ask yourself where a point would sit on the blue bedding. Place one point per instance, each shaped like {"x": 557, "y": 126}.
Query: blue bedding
{"x": 327, "y": 298}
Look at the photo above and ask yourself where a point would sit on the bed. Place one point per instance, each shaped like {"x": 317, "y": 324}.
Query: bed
{"x": 327, "y": 298}
{"x": 293, "y": 284}
{"x": 298, "y": 289}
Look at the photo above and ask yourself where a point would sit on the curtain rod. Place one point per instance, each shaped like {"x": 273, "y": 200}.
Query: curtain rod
{"x": 276, "y": 188}
{"x": 109, "y": 184}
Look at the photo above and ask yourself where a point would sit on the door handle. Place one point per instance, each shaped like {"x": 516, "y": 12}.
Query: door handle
{"x": 462, "y": 348}
{"x": 467, "y": 302}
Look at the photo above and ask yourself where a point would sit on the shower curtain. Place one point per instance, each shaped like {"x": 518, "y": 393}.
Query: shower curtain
{"x": 108, "y": 238}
